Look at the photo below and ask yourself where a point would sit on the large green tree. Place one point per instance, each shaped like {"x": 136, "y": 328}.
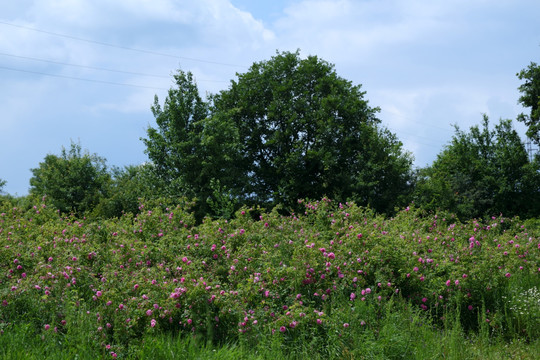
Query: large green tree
{"x": 174, "y": 146}
{"x": 482, "y": 172}
{"x": 306, "y": 133}
{"x": 74, "y": 182}
{"x": 288, "y": 128}
{"x": 192, "y": 152}
{"x": 530, "y": 98}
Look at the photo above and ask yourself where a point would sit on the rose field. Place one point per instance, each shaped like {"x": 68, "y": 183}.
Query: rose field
{"x": 336, "y": 281}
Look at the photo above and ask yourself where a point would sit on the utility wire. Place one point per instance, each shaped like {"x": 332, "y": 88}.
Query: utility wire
{"x": 84, "y": 66}
{"x": 81, "y": 79}
{"x": 99, "y": 68}
{"x": 121, "y": 47}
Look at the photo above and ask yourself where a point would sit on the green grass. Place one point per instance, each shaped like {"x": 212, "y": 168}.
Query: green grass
{"x": 399, "y": 337}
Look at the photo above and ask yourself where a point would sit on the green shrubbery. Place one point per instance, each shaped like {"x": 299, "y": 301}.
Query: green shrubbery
{"x": 333, "y": 279}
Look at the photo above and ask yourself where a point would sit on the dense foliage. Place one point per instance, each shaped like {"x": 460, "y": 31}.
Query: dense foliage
{"x": 74, "y": 181}
{"x": 125, "y": 189}
{"x": 482, "y": 172}
{"x": 335, "y": 279}
{"x": 288, "y": 128}
{"x": 530, "y": 98}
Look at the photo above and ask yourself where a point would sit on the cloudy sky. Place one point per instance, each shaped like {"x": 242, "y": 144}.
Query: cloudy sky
{"x": 87, "y": 70}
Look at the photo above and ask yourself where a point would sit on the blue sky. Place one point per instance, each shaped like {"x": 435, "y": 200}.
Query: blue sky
{"x": 87, "y": 71}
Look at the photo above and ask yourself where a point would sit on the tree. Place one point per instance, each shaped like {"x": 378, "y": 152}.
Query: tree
{"x": 2, "y": 184}
{"x": 483, "y": 172}
{"x": 73, "y": 181}
{"x": 530, "y": 98}
{"x": 287, "y": 129}
{"x": 126, "y": 189}
{"x": 307, "y": 133}
{"x": 191, "y": 150}
{"x": 174, "y": 146}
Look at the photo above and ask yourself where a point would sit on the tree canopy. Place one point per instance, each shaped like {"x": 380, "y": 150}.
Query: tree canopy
{"x": 530, "y": 98}
{"x": 287, "y": 129}
{"x": 482, "y": 172}
{"x": 74, "y": 181}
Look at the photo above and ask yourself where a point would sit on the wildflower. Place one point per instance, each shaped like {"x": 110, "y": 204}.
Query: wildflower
{"x": 153, "y": 322}
{"x": 47, "y": 326}
{"x": 507, "y": 275}
{"x": 353, "y": 296}
{"x": 346, "y": 325}
{"x": 282, "y": 329}
{"x": 319, "y": 321}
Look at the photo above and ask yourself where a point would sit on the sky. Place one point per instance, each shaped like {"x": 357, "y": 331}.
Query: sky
{"x": 87, "y": 71}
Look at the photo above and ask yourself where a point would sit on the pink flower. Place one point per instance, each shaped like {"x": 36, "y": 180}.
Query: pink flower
{"x": 507, "y": 275}
{"x": 99, "y": 293}
{"x": 448, "y": 282}
{"x": 149, "y": 312}
{"x": 353, "y": 296}
{"x": 346, "y": 325}
{"x": 47, "y": 326}
{"x": 282, "y": 329}
{"x": 153, "y": 322}
{"x": 319, "y": 321}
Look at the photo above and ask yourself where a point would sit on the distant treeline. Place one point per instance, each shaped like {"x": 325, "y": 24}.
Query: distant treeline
{"x": 290, "y": 129}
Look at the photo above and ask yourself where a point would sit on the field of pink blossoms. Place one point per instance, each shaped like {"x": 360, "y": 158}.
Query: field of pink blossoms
{"x": 324, "y": 277}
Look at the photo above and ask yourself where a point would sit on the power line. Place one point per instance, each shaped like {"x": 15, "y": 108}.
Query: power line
{"x": 83, "y": 66}
{"x": 121, "y": 47}
{"x": 96, "y": 68}
{"x": 82, "y": 79}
